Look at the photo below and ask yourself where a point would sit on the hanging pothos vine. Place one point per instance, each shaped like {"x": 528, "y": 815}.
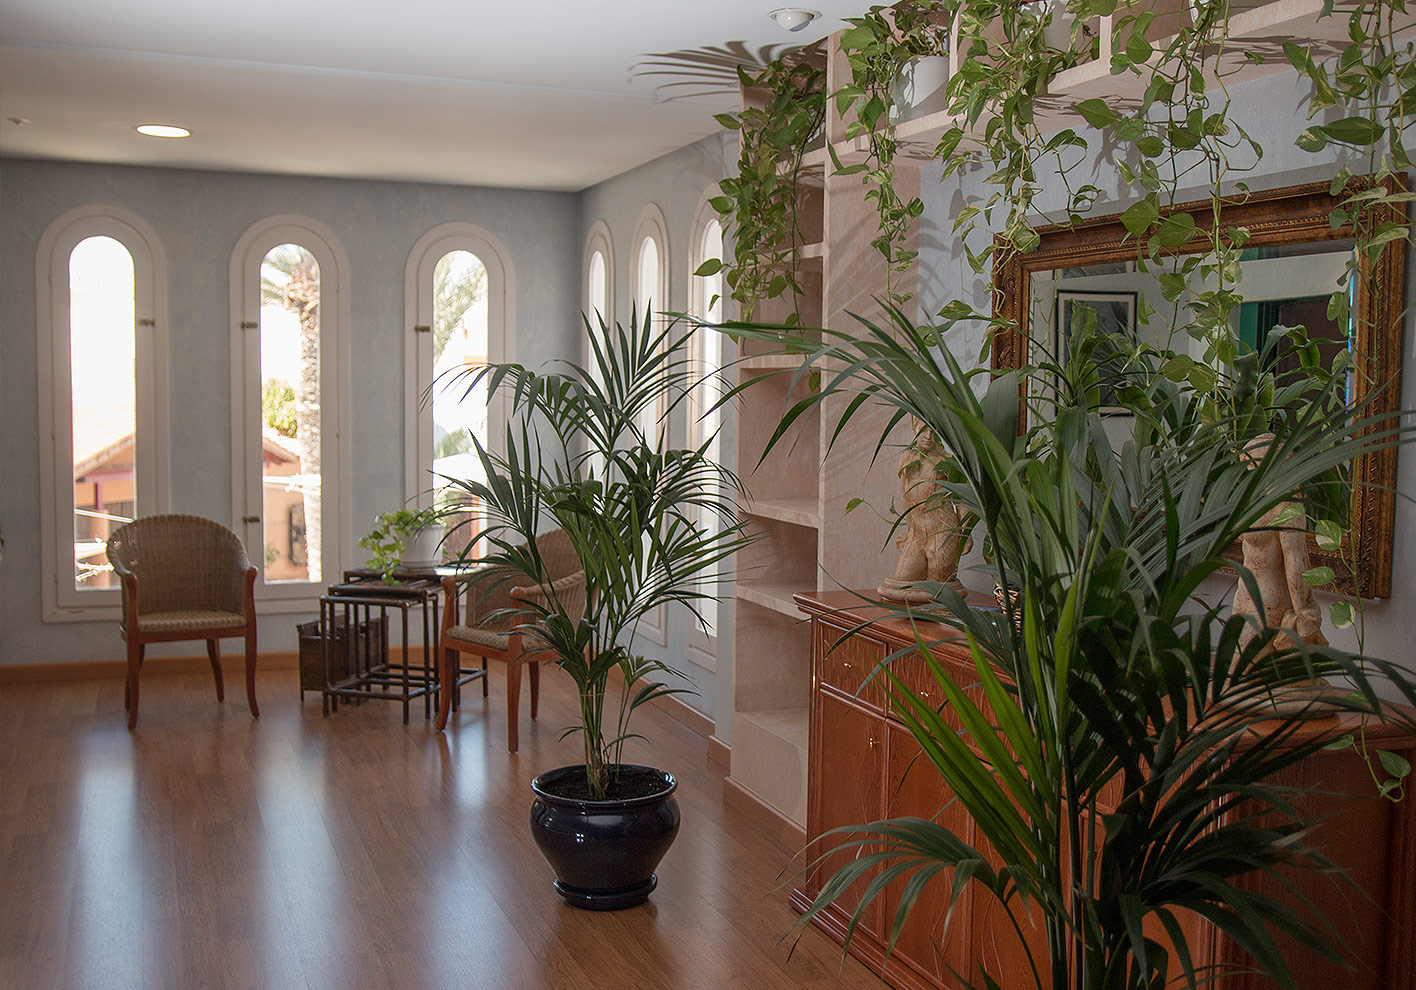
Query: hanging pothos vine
{"x": 759, "y": 205}
{"x": 879, "y": 48}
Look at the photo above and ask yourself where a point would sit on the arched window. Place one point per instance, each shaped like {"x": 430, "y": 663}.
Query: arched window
{"x": 705, "y": 417}
{"x": 290, "y": 416}
{"x": 599, "y": 275}
{"x": 102, "y": 314}
{"x": 457, "y": 300}
{"x": 650, "y": 293}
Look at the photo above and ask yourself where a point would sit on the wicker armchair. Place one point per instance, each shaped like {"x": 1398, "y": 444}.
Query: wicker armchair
{"x": 183, "y": 578}
{"x": 491, "y": 589}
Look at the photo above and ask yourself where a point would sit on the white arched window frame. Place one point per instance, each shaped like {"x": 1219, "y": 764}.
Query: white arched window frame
{"x": 246, "y": 444}
{"x": 599, "y": 254}
{"x": 649, "y": 284}
{"x": 60, "y": 599}
{"x": 423, "y": 260}
{"x": 707, "y": 301}
{"x": 650, "y": 293}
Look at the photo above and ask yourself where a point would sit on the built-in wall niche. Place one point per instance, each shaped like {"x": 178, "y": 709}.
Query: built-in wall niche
{"x": 1290, "y": 266}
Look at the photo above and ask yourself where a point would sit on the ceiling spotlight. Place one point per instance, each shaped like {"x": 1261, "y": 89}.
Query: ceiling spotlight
{"x": 794, "y": 18}
{"x": 163, "y": 130}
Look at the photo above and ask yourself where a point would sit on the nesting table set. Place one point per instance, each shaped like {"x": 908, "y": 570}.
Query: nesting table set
{"x": 362, "y": 662}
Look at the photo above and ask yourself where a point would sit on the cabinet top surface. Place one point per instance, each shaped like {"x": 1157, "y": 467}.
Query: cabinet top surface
{"x": 853, "y": 611}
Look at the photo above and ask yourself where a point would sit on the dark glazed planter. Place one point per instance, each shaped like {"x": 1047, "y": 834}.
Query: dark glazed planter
{"x": 604, "y": 852}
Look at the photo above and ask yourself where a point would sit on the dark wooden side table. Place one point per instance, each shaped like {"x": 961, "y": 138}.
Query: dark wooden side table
{"x": 398, "y": 671}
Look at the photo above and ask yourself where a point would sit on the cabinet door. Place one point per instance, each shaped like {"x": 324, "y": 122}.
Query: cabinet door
{"x": 915, "y": 789}
{"x": 850, "y": 750}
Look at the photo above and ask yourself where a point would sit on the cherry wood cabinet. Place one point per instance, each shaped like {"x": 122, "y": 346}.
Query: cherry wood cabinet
{"x": 863, "y": 765}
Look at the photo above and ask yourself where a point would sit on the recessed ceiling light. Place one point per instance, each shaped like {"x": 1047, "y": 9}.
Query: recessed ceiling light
{"x": 163, "y": 130}
{"x": 794, "y": 18}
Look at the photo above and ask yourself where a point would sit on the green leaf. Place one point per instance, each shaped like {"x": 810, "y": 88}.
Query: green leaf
{"x": 1328, "y": 534}
{"x": 1313, "y": 139}
{"x": 1288, "y": 515}
{"x": 1319, "y": 576}
{"x": 1176, "y": 230}
{"x": 853, "y": 503}
{"x": 1340, "y": 743}
{"x": 710, "y": 267}
{"x": 1394, "y": 764}
{"x": 1151, "y": 146}
{"x": 723, "y": 204}
{"x": 1096, "y": 113}
{"x": 1341, "y": 614}
{"x": 1352, "y": 130}
{"x": 1138, "y": 48}
{"x": 1140, "y": 215}
{"x": 728, "y": 120}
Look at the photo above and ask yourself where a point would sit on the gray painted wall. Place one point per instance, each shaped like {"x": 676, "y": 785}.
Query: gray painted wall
{"x": 677, "y": 183}
{"x": 198, "y": 217}
{"x": 1272, "y": 111}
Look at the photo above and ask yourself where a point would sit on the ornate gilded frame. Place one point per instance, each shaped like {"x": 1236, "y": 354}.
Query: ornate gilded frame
{"x": 1292, "y": 215}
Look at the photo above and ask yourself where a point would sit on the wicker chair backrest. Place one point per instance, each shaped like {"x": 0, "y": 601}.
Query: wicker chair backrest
{"x": 181, "y": 562}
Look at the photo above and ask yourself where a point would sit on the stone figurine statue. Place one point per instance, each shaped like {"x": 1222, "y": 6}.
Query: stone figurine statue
{"x": 932, "y": 538}
{"x": 1277, "y": 556}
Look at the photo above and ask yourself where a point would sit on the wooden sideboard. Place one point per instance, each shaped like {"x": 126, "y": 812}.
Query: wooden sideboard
{"x": 863, "y": 765}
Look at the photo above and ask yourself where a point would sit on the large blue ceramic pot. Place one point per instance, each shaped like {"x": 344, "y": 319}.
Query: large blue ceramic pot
{"x": 604, "y": 852}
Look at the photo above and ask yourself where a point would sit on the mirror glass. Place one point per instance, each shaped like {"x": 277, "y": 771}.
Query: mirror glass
{"x": 1293, "y": 261}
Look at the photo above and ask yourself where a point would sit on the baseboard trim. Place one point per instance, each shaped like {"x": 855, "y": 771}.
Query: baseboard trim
{"x": 84, "y": 670}
{"x": 775, "y": 825}
{"x": 680, "y": 711}
{"x": 720, "y": 754}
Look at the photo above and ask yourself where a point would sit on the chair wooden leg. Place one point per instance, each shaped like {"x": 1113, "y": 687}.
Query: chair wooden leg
{"x": 513, "y": 703}
{"x": 130, "y": 692}
{"x": 447, "y": 684}
{"x": 214, "y": 655}
{"x": 535, "y": 669}
{"x": 251, "y": 673}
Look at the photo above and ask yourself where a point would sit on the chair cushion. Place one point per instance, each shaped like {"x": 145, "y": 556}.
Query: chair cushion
{"x": 190, "y": 619}
{"x": 489, "y": 639}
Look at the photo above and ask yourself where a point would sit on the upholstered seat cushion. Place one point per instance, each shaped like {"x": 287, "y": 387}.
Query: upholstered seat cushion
{"x": 186, "y": 619}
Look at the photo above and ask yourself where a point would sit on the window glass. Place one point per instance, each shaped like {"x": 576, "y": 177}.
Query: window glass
{"x": 460, "y": 343}
{"x": 291, "y": 419}
{"x": 103, "y": 393}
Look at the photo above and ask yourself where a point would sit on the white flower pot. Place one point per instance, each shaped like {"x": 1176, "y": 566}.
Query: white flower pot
{"x": 422, "y": 550}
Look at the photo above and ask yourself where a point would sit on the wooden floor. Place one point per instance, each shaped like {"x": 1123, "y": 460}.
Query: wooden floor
{"x": 208, "y": 849}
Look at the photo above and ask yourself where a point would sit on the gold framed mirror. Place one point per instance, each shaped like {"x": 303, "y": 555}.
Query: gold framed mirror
{"x": 1296, "y": 247}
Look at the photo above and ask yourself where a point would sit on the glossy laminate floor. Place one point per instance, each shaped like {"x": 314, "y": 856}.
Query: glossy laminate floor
{"x": 208, "y": 849}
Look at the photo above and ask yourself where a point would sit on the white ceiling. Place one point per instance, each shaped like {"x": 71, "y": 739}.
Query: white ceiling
{"x": 531, "y": 95}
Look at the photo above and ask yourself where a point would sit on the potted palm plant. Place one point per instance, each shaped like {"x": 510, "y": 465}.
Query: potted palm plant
{"x": 653, "y": 526}
{"x": 1116, "y": 769}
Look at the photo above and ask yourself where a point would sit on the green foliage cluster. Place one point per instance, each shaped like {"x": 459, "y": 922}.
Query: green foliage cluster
{"x": 389, "y": 537}
{"x": 278, "y": 407}
{"x": 759, "y": 205}
{"x": 1106, "y": 675}
{"x": 581, "y": 456}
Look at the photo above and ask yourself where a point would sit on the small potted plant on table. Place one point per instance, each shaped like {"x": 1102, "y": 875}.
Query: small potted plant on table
{"x": 652, "y": 526}
{"x": 405, "y": 540}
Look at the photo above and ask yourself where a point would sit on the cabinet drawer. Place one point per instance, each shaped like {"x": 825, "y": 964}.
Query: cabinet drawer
{"x": 916, "y": 677}
{"x": 845, "y": 665}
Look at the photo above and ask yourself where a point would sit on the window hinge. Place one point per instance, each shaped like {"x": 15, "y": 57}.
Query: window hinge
{"x": 422, "y": 328}
{"x": 250, "y": 325}
{"x": 250, "y": 519}
{"x": 147, "y": 321}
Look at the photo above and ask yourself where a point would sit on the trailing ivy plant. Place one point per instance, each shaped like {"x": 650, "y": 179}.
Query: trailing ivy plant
{"x": 759, "y": 204}
{"x": 879, "y": 46}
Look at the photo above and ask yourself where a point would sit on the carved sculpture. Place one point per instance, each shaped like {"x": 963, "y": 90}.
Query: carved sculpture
{"x": 933, "y": 536}
{"x": 1277, "y": 556}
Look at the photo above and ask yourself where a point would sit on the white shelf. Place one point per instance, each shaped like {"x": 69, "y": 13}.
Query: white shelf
{"x": 777, "y": 597}
{"x": 791, "y": 725}
{"x": 797, "y": 511}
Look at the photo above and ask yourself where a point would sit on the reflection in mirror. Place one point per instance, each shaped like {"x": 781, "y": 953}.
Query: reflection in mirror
{"x": 1087, "y": 277}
